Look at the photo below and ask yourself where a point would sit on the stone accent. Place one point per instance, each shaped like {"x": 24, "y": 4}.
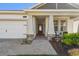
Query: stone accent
{"x": 50, "y": 36}
{"x": 29, "y": 39}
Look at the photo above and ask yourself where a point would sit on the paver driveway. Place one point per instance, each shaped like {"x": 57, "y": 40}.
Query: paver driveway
{"x": 37, "y": 47}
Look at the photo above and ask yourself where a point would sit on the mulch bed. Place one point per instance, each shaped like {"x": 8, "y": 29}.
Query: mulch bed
{"x": 58, "y": 47}
{"x": 64, "y": 50}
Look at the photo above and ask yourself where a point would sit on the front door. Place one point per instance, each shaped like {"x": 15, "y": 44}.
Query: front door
{"x": 40, "y": 29}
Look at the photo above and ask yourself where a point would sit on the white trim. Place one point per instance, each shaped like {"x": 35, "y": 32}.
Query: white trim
{"x": 41, "y": 10}
{"x": 74, "y": 12}
{"x": 11, "y": 11}
{"x": 52, "y": 10}
{"x": 37, "y": 5}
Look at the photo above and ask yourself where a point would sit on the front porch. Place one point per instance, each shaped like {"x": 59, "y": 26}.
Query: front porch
{"x": 51, "y": 22}
{"x": 51, "y": 26}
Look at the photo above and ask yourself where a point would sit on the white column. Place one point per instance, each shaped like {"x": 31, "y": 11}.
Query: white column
{"x": 46, "y": 25}
{"x": 59, "y": 25}
{"x": 34, "y": 25}
{"x": 70, "y": 25}
{"x": 51, "y": 31}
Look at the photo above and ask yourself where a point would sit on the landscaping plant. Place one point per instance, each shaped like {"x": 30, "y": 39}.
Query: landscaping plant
{"x": 71, "y": 39}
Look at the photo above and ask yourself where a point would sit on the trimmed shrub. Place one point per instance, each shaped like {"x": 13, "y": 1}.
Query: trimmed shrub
{"x": 71, "y": 39}
{"x": 68, "y": 41}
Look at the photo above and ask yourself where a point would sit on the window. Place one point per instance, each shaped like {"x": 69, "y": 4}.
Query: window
{"x": 56, "y": 25}
{"x": 63, "y": 25}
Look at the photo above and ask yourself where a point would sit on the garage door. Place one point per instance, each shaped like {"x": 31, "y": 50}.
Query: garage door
{"x": 13, "y": 29}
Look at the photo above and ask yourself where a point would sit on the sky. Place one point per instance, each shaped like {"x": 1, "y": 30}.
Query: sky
{"x": 15, "y": 6}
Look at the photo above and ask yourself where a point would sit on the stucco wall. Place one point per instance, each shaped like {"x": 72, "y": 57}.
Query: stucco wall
{"x": 70, "y": 25}
{"x": 76, "y": 25}
{"x": 73, "y": 25}
{"x": 12, "y": 17}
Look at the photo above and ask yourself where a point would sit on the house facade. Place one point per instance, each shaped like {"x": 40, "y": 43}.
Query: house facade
{"x": 45, "y": 19}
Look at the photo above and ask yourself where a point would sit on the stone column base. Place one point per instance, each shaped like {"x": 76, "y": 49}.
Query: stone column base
{"x": 29, "y": 39}
{"x": 50, "y": 36}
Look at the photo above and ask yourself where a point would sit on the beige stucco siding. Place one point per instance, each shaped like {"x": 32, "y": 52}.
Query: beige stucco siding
{"x": 76, "y": 26}
{"x": 12, "y": 17}
{"x": 30, "y": 25}
{"x": 70, "y": 26}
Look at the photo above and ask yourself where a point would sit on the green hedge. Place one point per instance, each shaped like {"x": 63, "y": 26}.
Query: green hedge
{"x": 71, "y": 39}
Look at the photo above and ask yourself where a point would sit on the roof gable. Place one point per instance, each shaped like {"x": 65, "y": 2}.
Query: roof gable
{"x": 57, "y": 6}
